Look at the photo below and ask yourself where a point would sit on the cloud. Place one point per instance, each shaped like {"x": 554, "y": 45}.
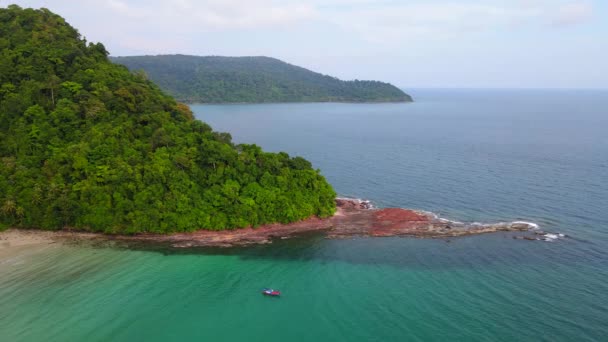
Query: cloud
{"x": 189, "y": 15}
{"x": 424, "y": 21}
{"x": 444, "y": 19}
{"x": 152, "y": 26}
{"x": 573, "y": 14}
{"x": 381, "y": 22}
{"x": 118, "y": 6}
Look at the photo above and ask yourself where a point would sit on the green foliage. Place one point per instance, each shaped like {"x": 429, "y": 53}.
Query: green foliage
{"x": 253, "y": 79}
{"x": 84, "y": 143}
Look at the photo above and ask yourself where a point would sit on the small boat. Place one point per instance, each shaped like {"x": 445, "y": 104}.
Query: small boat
{"x": 271, "y": 292}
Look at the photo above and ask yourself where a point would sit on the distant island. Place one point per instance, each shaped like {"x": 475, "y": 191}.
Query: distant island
{"x": 216, "y": 79}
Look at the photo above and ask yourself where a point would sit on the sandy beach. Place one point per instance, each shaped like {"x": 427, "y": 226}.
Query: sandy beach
{"x": 18, "y": 242}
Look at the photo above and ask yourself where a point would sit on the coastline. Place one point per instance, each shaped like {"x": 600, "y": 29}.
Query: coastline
{"x": 353, "y": 218}
{"x": 21, "y": 242}
{"x": 188, "y": 102}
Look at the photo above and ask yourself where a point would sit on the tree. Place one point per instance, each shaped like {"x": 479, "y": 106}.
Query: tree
{"x": 87, "y": 144}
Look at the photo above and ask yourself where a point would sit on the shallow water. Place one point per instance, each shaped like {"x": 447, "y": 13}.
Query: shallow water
{"x": 470, "y": 155}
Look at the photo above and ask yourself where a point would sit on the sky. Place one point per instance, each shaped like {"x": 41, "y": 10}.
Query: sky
{"x": 410, "y": 43}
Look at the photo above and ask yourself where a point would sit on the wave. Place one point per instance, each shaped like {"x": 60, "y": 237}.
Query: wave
{"x": 367, "y": 203}
{"x": 533, "y": 225}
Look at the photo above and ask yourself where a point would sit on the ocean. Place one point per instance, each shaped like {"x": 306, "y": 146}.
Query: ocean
{"x": 468, "y": 155}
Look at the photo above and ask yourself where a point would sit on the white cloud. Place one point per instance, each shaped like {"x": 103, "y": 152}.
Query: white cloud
{"x": 573, "y": 14}
{"x": 189, "y": 15}
{"x": 448, "y": 19}
{"x": 141, "y": 26}
{"x": 153, "y": 26}
{"x": 118, "y": 6}
{"x": 424, "y": 21}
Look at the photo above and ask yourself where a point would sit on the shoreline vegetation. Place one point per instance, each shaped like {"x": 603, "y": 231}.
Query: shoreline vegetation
{"x": 353, "y": 218}
{"x": 230, "y": 80}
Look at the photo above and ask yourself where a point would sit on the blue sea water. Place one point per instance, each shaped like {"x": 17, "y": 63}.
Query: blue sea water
{"x": 469, "y": 155}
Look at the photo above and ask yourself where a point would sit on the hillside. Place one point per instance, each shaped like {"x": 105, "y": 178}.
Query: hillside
{"x": 86, "y": 144}
{"x": 216, "y": 79}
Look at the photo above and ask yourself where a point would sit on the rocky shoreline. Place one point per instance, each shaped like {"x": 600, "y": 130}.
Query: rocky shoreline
{"x": 353, "y": 218}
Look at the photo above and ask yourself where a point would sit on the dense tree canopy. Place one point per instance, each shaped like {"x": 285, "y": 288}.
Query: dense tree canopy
{"x": 216, "y": 79}
{"x": 85, "y": 143}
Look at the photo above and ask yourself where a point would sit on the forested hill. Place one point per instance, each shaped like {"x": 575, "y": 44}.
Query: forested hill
{"x": 85, "y": 143}
{"x": 217, "y": 79}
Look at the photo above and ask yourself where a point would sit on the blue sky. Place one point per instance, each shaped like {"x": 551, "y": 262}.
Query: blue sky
{"x": 417, "y": 43}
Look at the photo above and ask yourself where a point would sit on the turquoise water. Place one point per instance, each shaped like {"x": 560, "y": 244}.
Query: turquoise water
{"x": 470, "y": 155}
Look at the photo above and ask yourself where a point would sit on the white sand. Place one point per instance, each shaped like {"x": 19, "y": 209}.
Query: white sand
{"x": 18, "y": 237}
{"x": 15, "y": 242}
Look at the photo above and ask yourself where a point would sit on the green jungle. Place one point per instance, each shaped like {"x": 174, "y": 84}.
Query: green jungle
{"x": 219, "y": 79}
{"x": 86, "y": 144}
